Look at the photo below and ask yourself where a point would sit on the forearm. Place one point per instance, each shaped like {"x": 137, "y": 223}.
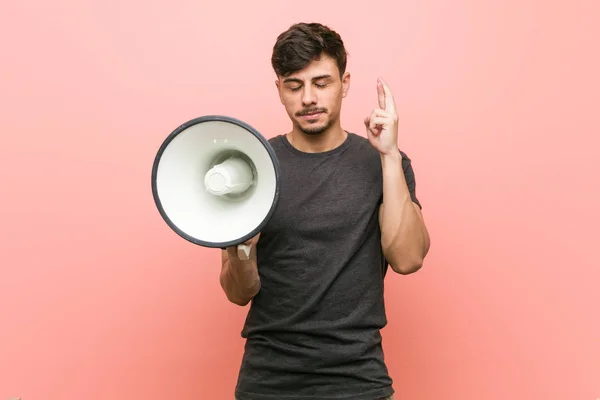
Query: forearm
{"x": 405, "y": 240}
{"x": 239, "y": 278}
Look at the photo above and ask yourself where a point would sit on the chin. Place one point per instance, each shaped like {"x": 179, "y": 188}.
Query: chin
{"x": 314, "y": 128}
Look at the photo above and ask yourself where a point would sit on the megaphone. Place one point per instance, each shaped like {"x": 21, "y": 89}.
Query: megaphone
{"x": 215, "y": 182}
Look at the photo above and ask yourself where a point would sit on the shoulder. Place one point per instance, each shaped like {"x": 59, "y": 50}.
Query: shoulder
{"x": 275, "y": 139}
{"x": 277, "y": 143}
{"x": 361, "y": 143}
{"x": 362, "y": 146}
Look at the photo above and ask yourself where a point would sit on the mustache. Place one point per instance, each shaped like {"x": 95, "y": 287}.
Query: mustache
{"x": 310, "y": 111}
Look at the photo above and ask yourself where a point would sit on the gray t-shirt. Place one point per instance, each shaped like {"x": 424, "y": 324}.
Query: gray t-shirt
{"x": 313, "y": 330}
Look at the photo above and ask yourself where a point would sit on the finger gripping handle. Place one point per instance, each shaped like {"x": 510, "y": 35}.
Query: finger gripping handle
{"x": 244, "y": 251}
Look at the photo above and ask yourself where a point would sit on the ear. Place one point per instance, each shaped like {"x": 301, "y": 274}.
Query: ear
{"x": 345, "y": 84}
{"x": 278, "y": 86}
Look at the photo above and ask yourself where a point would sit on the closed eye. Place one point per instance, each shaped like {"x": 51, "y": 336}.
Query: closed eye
{"x": 318, "y": 85}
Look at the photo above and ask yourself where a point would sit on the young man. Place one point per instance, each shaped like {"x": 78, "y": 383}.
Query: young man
{"x": 347, "y": 210}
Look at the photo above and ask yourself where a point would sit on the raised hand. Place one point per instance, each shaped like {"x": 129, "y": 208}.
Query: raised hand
{"x": 382, "y": 123}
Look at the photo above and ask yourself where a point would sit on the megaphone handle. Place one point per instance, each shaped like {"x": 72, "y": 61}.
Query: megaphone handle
{"x": 244, "y": 251}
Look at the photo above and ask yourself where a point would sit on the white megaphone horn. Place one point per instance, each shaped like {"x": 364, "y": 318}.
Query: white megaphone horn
{"x": 215, "y": 182}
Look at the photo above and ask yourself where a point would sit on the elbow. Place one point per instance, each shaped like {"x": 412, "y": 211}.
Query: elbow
{"x": 238, "y": 301}
{"x": 238, "y": 297}
{"x": 405, "y": 262}
{"x": 407, "y": 267}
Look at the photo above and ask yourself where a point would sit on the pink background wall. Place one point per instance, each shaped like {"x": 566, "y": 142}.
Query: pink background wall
{"x": 99, "y": 299}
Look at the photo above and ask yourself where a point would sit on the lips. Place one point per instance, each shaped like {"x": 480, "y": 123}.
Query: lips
{"x": 311, "y": 115}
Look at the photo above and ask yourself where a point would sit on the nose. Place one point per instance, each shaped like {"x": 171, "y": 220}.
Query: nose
{"x": 309, "y": 96}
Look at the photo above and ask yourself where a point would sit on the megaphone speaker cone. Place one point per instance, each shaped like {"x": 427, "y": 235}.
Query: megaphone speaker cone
{"x": 233, "y": 175}
{"x": 215, "y": 181}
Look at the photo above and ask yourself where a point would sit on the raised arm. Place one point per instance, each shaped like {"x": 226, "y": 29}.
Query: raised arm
{"x": 404, "y": 236}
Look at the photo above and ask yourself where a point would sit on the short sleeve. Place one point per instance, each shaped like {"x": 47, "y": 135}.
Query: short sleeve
{"x": 409, "y": 175}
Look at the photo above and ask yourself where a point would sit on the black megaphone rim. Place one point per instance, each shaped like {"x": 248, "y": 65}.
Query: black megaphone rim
{"x": 264, "y": 142}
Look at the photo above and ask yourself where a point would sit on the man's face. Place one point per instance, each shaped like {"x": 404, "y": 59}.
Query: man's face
{"x": 313, "y": 96}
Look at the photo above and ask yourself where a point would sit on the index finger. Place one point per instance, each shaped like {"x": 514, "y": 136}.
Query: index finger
{"x": 381, "y": 95}
{"x": 390, "y": 105}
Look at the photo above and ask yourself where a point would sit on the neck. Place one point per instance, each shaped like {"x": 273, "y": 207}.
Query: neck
{"x": 325, "y": 141}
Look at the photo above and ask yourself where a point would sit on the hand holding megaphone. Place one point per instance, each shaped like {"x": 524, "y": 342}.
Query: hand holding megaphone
{"x": 243, "y": 250}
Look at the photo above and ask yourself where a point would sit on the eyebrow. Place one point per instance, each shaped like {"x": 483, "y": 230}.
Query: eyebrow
{"x": 316, "y": 78}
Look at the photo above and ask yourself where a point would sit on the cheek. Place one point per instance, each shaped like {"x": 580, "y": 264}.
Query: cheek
{"x": 289, "y": 106}
{"x": 333, "y": 100}
{"x": 291, "y": 102}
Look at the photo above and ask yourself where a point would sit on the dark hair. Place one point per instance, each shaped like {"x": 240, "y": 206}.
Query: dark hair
{"x": 304, "y": 42}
